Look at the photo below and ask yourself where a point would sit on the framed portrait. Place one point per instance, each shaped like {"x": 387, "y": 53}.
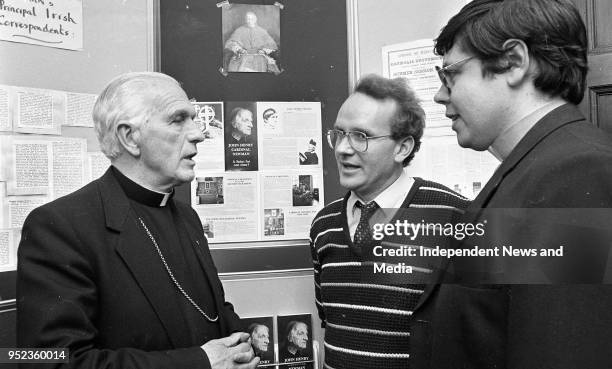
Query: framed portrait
{"x": 251, "y": 38}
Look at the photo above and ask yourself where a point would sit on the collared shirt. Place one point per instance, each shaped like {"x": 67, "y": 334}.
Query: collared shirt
{"x": 389, "y": 201}
{"x": 511, "y": 136}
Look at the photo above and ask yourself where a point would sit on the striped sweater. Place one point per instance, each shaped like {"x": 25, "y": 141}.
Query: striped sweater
{"x": 367, "y": 318}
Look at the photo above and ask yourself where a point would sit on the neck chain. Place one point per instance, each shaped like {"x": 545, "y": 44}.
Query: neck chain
{"x": 176, "y": 283}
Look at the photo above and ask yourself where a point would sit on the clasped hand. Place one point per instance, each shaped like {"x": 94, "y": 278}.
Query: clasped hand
{"x": 232, "y": 352}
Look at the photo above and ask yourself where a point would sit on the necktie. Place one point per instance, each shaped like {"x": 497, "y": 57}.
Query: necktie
{"x": 363, "y": 233}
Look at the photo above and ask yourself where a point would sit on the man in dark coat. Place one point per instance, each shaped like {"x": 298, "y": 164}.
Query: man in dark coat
{"x": 514, "y": 73}
{"x": 118, "y": 272}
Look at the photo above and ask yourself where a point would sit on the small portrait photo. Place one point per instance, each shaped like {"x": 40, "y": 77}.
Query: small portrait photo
{"x": 274, "y": 222}
{"x": 261, "y": 330}
{"x": 209, "y": 190}
{"x": 294, "y": 338}
{"x": 251, "y": 38}
{"x": 270, "y": 120}
{"x": 308, "y": 156}
{"x": 208, "y": 230}
{"x": 209, "y": 118}
{"x": 303, "y": 192}
{"x": 241, "y": 136}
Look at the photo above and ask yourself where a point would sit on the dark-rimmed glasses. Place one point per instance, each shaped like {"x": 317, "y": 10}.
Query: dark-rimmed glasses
{"x": 444, "y": 72}
{"x": 357, "y": 140}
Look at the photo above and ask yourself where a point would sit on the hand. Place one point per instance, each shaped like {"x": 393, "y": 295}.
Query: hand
{"x": 232, "y": 352}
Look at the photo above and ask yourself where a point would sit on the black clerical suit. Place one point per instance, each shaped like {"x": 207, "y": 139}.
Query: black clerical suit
{"x": 89, "y": 278}
{"x": 563, "y": 163}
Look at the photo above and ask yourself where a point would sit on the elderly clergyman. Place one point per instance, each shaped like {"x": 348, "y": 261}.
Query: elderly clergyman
{"x": 118, "y": 272}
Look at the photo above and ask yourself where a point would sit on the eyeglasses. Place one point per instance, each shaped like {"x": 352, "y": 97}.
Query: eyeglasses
{"x": 444, "y": 73}
{"x": 357, "y": 140}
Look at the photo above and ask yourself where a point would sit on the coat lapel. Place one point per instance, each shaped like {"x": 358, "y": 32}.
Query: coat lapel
{"x": 139, "y": 254}
{"x": 557, "y": 118}
{"x": 196, "y": 236}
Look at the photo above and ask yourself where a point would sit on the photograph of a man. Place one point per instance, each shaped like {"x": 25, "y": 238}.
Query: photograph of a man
{"x": 249, "y": 47}
{"x": 309, "y": 156}
{"x": 260, "y": 338}
{"x": 241, "y": 120}
{"x": 240, "y": 137}
{"x": 260, "y": 331}
{"x": 295, "y": 343}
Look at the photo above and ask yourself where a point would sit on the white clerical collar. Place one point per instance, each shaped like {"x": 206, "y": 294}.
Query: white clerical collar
{"x": 140, "y": 193}
{"x": 165, "y": 199}
{"x": 512, "y": 135}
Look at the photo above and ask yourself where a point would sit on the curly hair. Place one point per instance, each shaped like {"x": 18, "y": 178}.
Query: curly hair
{"x": 552, "y": 30}
{"x": 409, "y": 119}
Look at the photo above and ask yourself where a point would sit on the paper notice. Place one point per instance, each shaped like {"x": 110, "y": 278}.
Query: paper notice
{"x": 290, "y": 201}
{"x": 8, "y": 250}
{"x": 19, "y": 207}
{"x": 97, "y": 165}
{"x": 39, "y": 111}
{"x": 3, "y": 209}
{"x": 79, "y": 108}
{"x": 209, "y": 118}
{"x": 68, "y": 165}
{"x": 29, "y": 169}
{"x": 415, "y": 61}
{"x": 442, "y": 160}
{"x": 5, "y": 116}
{"x": 290, "y": 136}
{"x": 227, "y": 205}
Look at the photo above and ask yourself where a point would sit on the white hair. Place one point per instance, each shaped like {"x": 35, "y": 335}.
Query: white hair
{"x": 128, "y": 97}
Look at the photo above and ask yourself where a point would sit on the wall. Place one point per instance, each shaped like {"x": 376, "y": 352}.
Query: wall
{"x": 116, "y": 39}
{"x": 390, "y": 22}
{"x": 380, "y": 23}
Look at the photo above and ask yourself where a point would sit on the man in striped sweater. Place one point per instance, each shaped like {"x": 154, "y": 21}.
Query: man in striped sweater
{"x": 366, "y": 305}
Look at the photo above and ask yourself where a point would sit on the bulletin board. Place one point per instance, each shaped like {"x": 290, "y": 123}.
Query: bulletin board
{"x": 189, "y": 47}
{"x": 108, "y": 50}
{"x": 313, "y": 66}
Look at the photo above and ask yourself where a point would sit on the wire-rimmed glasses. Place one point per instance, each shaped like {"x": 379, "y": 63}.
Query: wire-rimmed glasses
{"x": 357, "y": 140}
{"x": 444, "y": 73}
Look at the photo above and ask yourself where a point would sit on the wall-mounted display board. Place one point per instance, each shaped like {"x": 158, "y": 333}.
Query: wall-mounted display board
{"x": 42, "y": 165}
{"x": 258, "y": 173}
{"x": 47, "y": 88}
{"x": 310, "y": 56}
